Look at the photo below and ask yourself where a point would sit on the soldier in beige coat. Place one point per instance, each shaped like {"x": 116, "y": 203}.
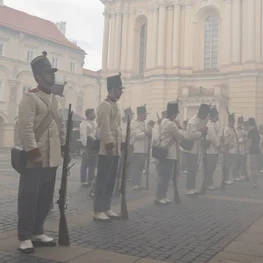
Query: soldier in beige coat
{"x": 109, "y": 132}
{"x": 169, "y": 138}
{"x": 42, "y": 136}
{"x": 140, "y": 134}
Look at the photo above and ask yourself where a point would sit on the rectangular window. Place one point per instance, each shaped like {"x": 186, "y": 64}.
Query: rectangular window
{"x": 72, "y": 67}
{"x": 55, "y": 62}
{"x": 29, "y": 56}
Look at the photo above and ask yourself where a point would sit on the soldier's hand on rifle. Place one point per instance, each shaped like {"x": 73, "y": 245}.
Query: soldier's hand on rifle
{"x": 109, "y": 148}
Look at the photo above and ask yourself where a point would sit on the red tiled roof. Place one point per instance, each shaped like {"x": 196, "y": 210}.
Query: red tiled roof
{"x": 32, "y": 25}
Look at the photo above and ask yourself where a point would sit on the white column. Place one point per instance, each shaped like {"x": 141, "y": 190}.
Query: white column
{"x": 262, "y": 32}
{"x": 161, "y": 36}
{"x": 188, "y": 37}
{"x": 105, "y": 51}
{"x": 236, "y": 32}
{"x": 225, "y": 36}
{"x": 251, "y": 30}
{"x": 149, "y": 40}
{"x": 117, "y": 50}
{"x": 154, "y": 37}
{"x": 124, "y": 41}
{"x": 169, "y": 37}
{"x": 258, "y": 27}
{"x": 112, "y": 38}
{"x": 130, "y": 54}
{"x": 176, "y": 35}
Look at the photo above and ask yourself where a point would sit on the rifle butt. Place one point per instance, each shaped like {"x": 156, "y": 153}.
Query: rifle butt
{"x": 63, "y": 234}
{"x": 124, "y": 209}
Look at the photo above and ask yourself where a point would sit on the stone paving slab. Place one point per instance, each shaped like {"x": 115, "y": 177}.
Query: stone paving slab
{"x": 98, "y": 256}
{"x": 61, "y": 254}
{"x": 240, "y": 258}
{"x": 17, "y": 257}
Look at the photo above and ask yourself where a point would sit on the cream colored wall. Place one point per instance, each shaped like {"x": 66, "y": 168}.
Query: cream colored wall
{"x": 15, "y": 72}
{"x": 181, "y": 46}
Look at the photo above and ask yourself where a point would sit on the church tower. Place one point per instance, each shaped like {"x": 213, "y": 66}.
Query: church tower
{"x": 199, "y": 51}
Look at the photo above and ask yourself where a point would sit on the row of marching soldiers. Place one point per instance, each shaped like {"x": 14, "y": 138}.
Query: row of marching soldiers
{"x": 171, "y": 142}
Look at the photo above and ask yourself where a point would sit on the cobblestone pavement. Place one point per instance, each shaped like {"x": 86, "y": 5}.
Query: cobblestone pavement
{"x": 10, "y": 257}
{"x": 193, "y": 232}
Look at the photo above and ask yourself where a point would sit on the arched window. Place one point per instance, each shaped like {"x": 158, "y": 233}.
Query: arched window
{"x": 142, "y": 48}
{"x": 211, "y": 35}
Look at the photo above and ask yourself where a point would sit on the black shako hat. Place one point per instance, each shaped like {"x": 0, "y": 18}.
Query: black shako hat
{"x": 172, "y": 107}
{"x": 204, "y": 108}
{"x": 213, "y": 111}
{"x": 114, "y": 82}
{"x": 41, "y": 64}
{"x": 141, "y": 109}
{"x": 128, "y": 112}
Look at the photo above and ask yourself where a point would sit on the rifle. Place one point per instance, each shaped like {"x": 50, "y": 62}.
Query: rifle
{"x": 222, "y": 186}
{"x": 124, "y": 210}
{"x": 148, "y": 161}
{"x": 116, "y": 192}
{"x": 175, "y": 175}
{"x": 149, "y": 146}
{"x": 204, "y": 148}
{"x": 63, "y": 234}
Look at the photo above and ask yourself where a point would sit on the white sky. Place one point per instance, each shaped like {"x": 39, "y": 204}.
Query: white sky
{"x": 84, "y": 22}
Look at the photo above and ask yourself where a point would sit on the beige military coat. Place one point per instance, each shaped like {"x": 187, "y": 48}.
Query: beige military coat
{"x": 109, "y": 128}
{"x": 139, "y": 139}
{"x": 33, "y": 109}
{"x": 170, "y": 135}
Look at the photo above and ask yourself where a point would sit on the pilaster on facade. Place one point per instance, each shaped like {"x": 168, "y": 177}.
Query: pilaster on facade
{"x": 124, "y": 38}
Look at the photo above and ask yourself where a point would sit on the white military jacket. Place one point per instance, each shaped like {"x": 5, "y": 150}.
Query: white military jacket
{"x": 241, "y": 136}
{"x": 192, "y": 132}
{"x": 33, "y": 109}
{"x": 230, "y": 139}
{"x": 214, "y": 136}
{"x": 139, "y": 139}
{"x": 87, "y": 127}
{"x": 109, "y": 128}
{"x": 169, "y": 137}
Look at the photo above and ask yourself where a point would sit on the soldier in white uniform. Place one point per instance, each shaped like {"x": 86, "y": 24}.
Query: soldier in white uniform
{"x": 232, "y": 148}
{"x": 109, "y": 132}
{"x": 239, "y": 166}
{"x": 87, "y": 128}
{"x": 195, "y": 129}
{"x": 140, "y": 134}
{"x": 39, "y": 108}
{"x": 169, "y": 137}
{"x": 212, "y": 153}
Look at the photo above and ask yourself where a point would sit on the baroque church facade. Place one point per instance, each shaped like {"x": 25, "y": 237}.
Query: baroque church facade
{"x": 197, "y": 51}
